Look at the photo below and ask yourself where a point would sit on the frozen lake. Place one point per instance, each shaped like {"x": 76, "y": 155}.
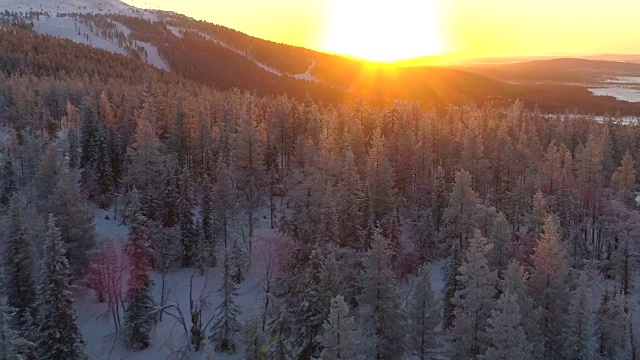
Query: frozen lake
{"x": 625, "y": 94}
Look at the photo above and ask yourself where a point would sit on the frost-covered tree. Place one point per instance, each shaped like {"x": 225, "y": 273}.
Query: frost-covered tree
{"x": 514, "y": 281}
{"x": 226, "y": 328}
{"x": 19, "y": 284}
{"x": 73, "y": 218}
{"x": 612, "y": 328}
{"x": 578, "y": 331}
{"x": 13, "y": 346}
{"x": 207, "y": 219}
{"x": 247, "y": 165}
{"x": 451, "y": 285}
{"x": 350, "y": 198}
{"x": 423, "y": 319}
{"x": 473, "y": 301}
{"x": 548, "y": 282}
{"x": 338, "y": 338}
{"x": 504, "y": 332}
{"x": 139, "y": 319}
{"x": 379, "y": 304}
{"x": 460, "y": 215}
{"x": 503, "y": 248}
{"x": 58, "y": 334}
{"x": 624, "y": 178}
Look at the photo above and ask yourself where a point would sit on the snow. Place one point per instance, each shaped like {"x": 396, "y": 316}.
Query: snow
{"x": 177, "y": 32}
{"x": 625, "y": 80}
{"x": 153, "y": 56}
{"x": 307, "y": 76}
{"x": 624, "y": 94}
{"x": 65, "y": 27}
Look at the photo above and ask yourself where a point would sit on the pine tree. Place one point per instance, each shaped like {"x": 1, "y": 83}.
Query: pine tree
{"x": 473, "y": 301}
{"x": 350, "y": 197}
{"x": 578, "y": 332}
{"x": 379, "y": 303}
{"x": 507, "y": 340}
{"x": 624, "y": 179}
{"x": 515, "y": 282}
{"x": 58, "y": 334}
{"x": 139, "y": 319}
{"x": 612, "y": 330}
{"x": 19, "y": 283}
{"x": 226, "y": 328}
{"x": 460, "y": 215}
{"x": 72, "y": 218}
{"x": 451, "y": 285}
{"x": 207, "y": 217}
{"x": 338, "y": 337}
{"x": 13, "y": 346}
{"x": 423, "y": 318}
{"x": 548, "y": 281}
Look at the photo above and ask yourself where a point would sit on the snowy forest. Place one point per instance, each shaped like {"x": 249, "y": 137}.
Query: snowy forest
{"x": 358, "y": 231}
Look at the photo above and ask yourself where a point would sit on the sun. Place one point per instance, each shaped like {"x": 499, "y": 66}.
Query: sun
{"x": 384, "y": 30}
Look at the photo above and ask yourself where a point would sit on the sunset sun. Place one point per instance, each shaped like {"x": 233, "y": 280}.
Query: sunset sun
{"x": 383, "y": 30}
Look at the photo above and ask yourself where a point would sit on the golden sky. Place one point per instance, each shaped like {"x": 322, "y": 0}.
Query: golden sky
{"x": 393, "y": 29}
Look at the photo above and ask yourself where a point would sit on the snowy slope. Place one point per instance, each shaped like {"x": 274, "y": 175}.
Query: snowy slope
{"x": 70, "y": 6}
{"x": 69, "y": 28}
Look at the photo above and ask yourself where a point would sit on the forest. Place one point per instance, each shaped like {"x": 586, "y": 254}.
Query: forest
{"x": 534, "y": 218}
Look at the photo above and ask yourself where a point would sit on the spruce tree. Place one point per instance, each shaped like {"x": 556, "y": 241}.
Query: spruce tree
{"x": 379, "y": 303}
{"x": 58, "y": 334}
{"x": 226, "y": 328}
{"x": 578, "y": 331}
{"x": 473, "y": 301}
{"x": 423, "y": 319}
{"x": 13, "y": 346}
{"x": 338, "y": 336}
{"x": 548, "y": 282}
{"x": 19, "y": 283}
{"x": 139, "y": 319}
{"x": 504, "y": 332}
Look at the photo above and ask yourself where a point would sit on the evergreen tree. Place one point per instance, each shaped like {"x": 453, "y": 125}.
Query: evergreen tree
{"x": 423, "y": 318}
{"x": 504, "y": 332}
{"x": 578, "y": 331}
{"x": 13, "y": 346}
{"x": 379, "y": 303}
{"x": 58, "y": 334}
{"x": 72, "y": 218}
{"x": 548, "y": 281}
{"x": 624, "y": 179}
{"x": 338, "y": 337}
{"x": 139, "y": 319}
{"x": 451, "y": 285}
{"x": 226, "y": 328}
{"x": 515, "y": 282}
{"x": 460, "y": 215}
{"x": 612, "y": 328}
{"x": 207, "y": 217}
{"x": 18, "y": 283}
{"x": 473, "y": 301}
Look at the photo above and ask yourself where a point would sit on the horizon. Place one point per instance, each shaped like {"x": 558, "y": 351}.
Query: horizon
{"x": 458, "y": 30}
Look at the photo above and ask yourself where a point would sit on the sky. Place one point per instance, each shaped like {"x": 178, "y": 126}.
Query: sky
{"x": 395, "y": 29}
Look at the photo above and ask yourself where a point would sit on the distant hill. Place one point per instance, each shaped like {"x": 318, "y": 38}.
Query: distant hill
{"x": 557, "y": 70}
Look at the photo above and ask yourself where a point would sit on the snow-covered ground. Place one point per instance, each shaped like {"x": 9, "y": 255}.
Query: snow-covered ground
{"x": 307, "y": 76}
{"x": 69, "y": 28}
{"x": 624, "y": 94}
{"x": 625, "y": 80}
{"x": 168, "y": 336}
